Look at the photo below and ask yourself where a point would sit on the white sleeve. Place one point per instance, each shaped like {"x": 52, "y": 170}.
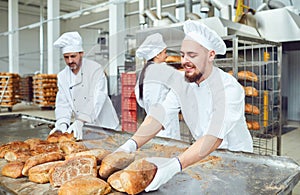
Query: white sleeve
{"x": 162, "y": 111}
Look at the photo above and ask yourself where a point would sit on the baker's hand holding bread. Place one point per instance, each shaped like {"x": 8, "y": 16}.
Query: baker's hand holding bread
{"x": 212, "y": 103}
{"x": 76, "y": 128}
{"x": 129, "y": 146}
{"x": 61, "y": 127}
{"x": 166, "y": 169}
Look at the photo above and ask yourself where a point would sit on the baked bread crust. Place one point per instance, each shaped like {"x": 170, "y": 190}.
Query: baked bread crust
{"x": 115, "y": 162}
{"x": 40, "y": 173}
{"x": 85, "y": 185}
{"x": 134, "y": 178}
{"x": 40, "y": 159}
{"x": 251, "y": 109}
{"x": 13, "y": 169}
{"x": 73, "y": 168}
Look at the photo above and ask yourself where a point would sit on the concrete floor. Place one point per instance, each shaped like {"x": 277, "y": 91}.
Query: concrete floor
{"x": 290, "y": 141}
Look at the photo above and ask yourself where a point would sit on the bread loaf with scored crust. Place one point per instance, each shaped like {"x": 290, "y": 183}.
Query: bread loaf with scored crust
{"x": 73, "y": 168}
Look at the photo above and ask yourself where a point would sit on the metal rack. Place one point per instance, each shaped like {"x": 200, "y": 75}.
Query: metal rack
{"x": 264, "y": 59}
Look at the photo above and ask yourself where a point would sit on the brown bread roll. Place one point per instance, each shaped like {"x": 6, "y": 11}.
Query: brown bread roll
{"x": 135, "y": 178}
{"x": 69, "y": 147}
{"x": 251, "y": 109}
{"x": 40, "y": 173}
{"x": 85, "y": 185}
{"x": 97, "y": 152}
{"x": 40, "y": 159}
{"x": 13, "y": 169}
{"x": 115, "y": 162}
{"x": 59, "y": 136}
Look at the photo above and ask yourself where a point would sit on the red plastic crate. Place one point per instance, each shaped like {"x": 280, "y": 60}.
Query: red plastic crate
{"x": 129, "y": 104}
{"x": 129, "y": 115}
{"x": 128, "y": 79}
{"x": 129, "y": 126}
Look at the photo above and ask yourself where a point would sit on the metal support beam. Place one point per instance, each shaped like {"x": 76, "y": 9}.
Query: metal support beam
{"x": 53, "y": 31}
{"x": 13, "y": 38}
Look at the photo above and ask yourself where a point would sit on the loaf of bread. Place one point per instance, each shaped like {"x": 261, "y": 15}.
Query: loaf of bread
{"x": 251, "y": 91}
{"x": 73, "y": 168}
{"x": 40, "y": 173}
{"x": 251, "y": 109}
{"x": 97, "y": 152}
{"x": 45, "y": 148}
{"x": 33, "y": 142}
{"x": 172, "y": 59}
{"x": 40, "y": 159}
{"x": 85, "y": 185}
{"x": 253, "y": 125}
{"x": 58, "y": 136}
{"x": 134, "y": 178}
{"x": 246, "y": 75}
{"x": 13, "y": 146}
{"x": 69, "y": 147}
{"x": 115, "y": 181}
{"x": 115, "y": 162}
{"x": 19, "y": 155}
{"x": 13, "y": 169}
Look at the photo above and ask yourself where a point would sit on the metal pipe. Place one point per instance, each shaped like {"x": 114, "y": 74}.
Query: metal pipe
{"x": 141, "y": 12}
{"x": 188, "y": 8}
{"x": 158, "y": 9}
{"x": 41, "y": 37}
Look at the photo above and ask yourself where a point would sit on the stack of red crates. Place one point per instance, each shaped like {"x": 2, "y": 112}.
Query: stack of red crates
{"x": 129, "y": 104}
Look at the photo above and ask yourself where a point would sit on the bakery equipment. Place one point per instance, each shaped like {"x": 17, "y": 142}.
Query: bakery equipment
{"x": 230, "y": 172}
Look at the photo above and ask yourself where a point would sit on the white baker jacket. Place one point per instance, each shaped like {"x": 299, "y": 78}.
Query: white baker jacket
{"x": 155, "y": 91}
{"x": 219, "y": 110}
{"x": 85, "y": 96}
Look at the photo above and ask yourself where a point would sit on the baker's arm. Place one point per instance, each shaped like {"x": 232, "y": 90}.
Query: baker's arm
{"x": 199, "y": 150}
{"x": 148, "y": 129}
{"x": 168, "y": 167}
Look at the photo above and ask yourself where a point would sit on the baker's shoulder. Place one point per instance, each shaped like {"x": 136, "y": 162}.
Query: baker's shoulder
{"x": 91, "y": 64}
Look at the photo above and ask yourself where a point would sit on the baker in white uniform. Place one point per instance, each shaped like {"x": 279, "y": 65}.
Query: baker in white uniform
{"x": 150, "y": 91}
{"x": 82, "y": 90}
{"x": 212, "y": 104}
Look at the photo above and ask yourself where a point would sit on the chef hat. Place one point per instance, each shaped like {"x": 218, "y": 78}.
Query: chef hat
{"x": 203, "y": 35}
{"x": 69, "y": 42}
{"x": 152, "y": 46}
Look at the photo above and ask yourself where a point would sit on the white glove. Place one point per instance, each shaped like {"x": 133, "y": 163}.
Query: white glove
{"x": 62, "y": 127}
{"x": 166, "y": 169}
{"x": 76, "y": 127}
{"x": 128, "y": 147}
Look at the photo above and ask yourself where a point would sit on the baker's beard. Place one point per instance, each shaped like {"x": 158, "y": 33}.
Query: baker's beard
{"x": 194, "y": 77}
{"x": 73, "y": 66}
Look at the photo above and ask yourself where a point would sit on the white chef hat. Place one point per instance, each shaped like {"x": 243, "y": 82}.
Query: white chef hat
{"x": 199, "y": 32}
{"x": 69, "y": 42}
{"x": 152, "y": 46}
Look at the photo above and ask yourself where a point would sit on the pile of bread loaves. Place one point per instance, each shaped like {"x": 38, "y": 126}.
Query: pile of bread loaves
{"x": 250, "y": 91}
{"x": 74, "y": 169}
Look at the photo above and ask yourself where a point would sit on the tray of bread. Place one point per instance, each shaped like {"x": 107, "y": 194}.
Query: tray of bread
{"x": 34, "y": 163}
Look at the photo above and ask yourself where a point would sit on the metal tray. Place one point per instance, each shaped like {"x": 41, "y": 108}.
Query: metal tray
{"x": 233, "y": 172}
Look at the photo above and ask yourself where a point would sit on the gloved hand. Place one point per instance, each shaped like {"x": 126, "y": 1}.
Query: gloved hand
{"x": 61, "y": 127}
{"x": 128, "y": 147}
{"x": 166, "y": 169}
{"x": 76, "y": 127}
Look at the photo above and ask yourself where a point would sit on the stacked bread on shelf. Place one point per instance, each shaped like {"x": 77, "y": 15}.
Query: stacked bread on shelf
{"x": 45, "y": 89}
{"x": 71, "y": 168}
{"x": 250, "y": 91}
{"x": 9, "y": 88}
